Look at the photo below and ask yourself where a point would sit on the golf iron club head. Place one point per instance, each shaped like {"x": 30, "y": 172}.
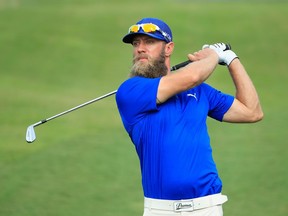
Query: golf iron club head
{"x": 30, "y": 134}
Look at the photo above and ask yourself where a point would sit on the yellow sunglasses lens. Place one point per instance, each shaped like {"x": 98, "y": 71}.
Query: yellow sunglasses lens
{"x": 134, "y": 28}
{"x": 149, "y": 28}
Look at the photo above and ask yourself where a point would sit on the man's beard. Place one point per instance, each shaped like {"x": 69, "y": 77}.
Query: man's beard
{"x": 152, "y": 68}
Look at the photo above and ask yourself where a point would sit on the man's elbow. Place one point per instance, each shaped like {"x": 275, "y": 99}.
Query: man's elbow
{"x": 257, "y": 116}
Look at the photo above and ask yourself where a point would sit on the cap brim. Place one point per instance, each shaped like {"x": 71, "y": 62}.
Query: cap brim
{"x": 129, "y": 37}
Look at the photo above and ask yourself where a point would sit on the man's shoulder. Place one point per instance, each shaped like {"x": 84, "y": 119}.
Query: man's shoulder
{"x": 138, "y": 83}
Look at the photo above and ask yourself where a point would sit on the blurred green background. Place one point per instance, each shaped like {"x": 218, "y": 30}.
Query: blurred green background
{"x": 56, "y": 54}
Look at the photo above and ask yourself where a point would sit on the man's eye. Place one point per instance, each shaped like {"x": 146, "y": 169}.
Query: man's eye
{"x": 150, "y": 41}
{"x": 135, "y": 43}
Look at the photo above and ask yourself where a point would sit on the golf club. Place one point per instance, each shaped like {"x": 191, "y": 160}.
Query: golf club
{"x": 30, "y": 133}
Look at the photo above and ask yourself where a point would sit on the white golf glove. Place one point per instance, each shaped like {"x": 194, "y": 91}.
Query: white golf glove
{"x": 225, "y": 54}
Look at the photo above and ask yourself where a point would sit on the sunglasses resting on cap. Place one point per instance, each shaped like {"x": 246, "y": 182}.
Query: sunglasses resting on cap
{"x": 149, "y": 26}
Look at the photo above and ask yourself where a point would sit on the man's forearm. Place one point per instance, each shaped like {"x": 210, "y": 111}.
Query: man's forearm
{"x": 245, "y": 89}
{"x": 204, "y": 63}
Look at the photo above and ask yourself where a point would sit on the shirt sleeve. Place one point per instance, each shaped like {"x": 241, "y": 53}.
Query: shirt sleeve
{"x": 219, "y": 103}
{"x": 135, "y": 97}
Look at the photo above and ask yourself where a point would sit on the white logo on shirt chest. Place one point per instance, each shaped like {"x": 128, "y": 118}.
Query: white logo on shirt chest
{"x": 192, "y": 95}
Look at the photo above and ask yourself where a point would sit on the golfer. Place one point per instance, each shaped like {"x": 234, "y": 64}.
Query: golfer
{"x": 165, "y": 116}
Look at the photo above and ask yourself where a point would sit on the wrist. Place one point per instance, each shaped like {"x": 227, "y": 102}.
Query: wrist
{"x": 230, "y": 56}
{"x": 234, "y": 64}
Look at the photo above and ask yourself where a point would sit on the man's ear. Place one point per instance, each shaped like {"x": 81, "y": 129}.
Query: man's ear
{"x": 169, "y": 47}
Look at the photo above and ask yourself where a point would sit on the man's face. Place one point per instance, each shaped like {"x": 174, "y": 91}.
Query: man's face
{"x": 148, "y": 57}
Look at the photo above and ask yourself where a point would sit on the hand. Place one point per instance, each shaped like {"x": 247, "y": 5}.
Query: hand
{"x": 202, "y": 54}
{"x": 224, "y": 52}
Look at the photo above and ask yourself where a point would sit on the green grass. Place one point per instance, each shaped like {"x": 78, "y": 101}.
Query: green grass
{"x": 57, "y": 54}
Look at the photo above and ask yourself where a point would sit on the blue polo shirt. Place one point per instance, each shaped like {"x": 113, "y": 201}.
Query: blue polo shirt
{"x": 171, "y": 139}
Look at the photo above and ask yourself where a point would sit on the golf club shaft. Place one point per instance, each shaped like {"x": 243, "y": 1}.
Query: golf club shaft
{"x": 99, "y": 98}
{"x": 173, "y": 68}
{"x": 74, "y": 108}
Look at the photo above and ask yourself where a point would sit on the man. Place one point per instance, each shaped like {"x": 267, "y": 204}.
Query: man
{"x": 165, "y": 115}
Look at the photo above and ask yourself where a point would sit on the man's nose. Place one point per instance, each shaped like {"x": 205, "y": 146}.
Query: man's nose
{"x": 141, "y": 47}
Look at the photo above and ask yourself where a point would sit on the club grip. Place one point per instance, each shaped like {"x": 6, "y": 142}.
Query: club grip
{"x": 180, "y": 65}
{"x": 228, "y": 47}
